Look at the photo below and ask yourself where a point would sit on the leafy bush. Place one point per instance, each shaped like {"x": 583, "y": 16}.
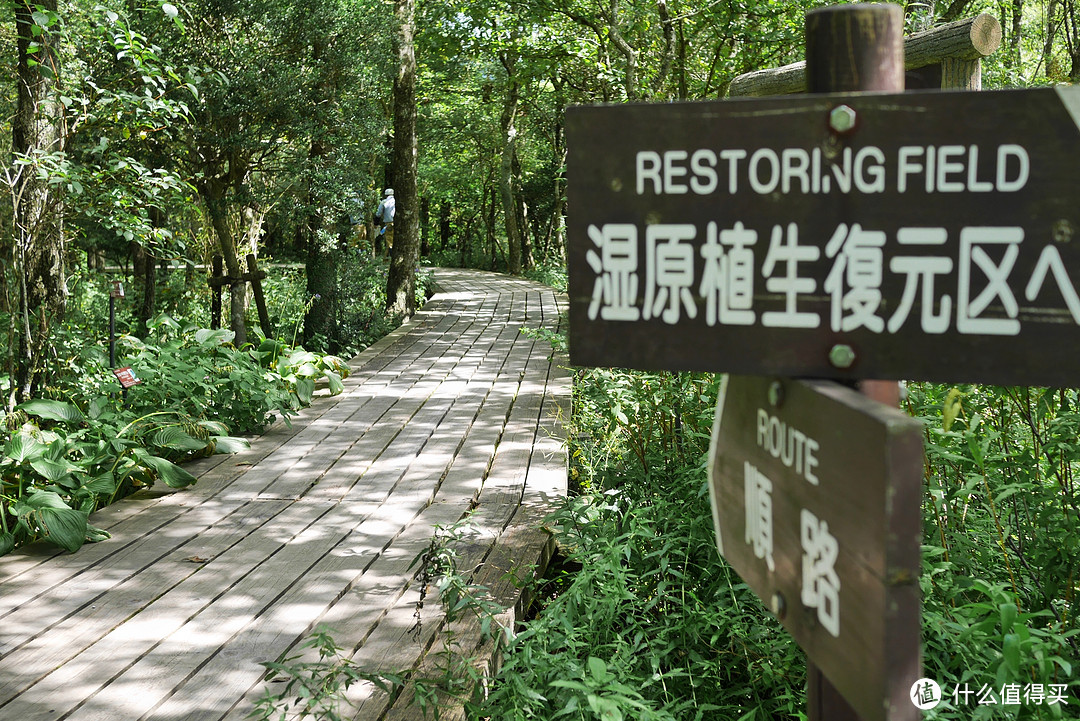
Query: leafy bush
{"x": 86, "y": 446}
{"x": 59, "y": 465}
{"x": 655, "y": 625}
{"x": 1000, "y": 547}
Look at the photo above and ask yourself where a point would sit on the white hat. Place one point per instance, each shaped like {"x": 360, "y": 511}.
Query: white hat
{"x": 389, "y": 192}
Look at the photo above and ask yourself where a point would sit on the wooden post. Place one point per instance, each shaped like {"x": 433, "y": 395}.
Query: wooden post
{"x": 215, "y": 292}
{"x": 933, "y": 55}
{"x": 255, "y": 276}
{"x": 852, "y": 48}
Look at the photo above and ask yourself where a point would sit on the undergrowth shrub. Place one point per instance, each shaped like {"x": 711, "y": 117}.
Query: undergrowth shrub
{"x": 1000, "y": 547}
{"x": 656, "y": 625}
{"x": 86, "y": 444}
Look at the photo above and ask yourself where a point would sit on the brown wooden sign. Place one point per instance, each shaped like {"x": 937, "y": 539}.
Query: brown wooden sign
{"x": 816, "y": 502}
{"x": 927, "y": 236}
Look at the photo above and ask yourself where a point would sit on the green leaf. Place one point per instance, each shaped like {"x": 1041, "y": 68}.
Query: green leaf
{"x": 65, "y": 527}
{"x": 7, "y": 543}
{"x": 308, "y": 370}
{"x": 305, "y": 389}
{"x": 216, "y": 428}
{"x": 336, "y": 386}
{"x": 98, "y": 406}
{"x": 1008, "y": 616}
{"x": 105, "y": 484}
{"x": 1011, "y": 652}
{"x": 597, "y": 668}
{"x": 606, "y": 709}
{"x": 951, "y": 408}
{"x": 230, "y": 444}
{"x": 53, "y": 410}
{"x": 173, "y": 475}
{"x": 22, "y": 447}
{"x": 37, "y": 500}
{"x": 46, "y": 512}
{"x": 53, "y": 470}
{"x": 221, "y": 336}
{"x": 96, "y": 535}
{"x": 177, "y": 439}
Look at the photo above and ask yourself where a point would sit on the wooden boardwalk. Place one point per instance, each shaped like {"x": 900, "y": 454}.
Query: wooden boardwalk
{"x": 316, "y": 524}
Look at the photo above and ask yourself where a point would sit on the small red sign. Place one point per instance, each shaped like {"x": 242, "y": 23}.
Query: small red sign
{"x": 127, "y": 377}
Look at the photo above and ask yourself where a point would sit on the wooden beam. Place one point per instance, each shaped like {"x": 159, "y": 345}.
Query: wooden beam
{"x": 968, "y": 40}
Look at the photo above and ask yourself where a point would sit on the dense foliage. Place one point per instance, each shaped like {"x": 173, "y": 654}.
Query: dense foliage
{"x": 654, "y": 624}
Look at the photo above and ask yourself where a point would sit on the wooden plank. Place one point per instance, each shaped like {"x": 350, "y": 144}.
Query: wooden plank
{"x": 102, "y": 611}
{"x": 91, "y": 671}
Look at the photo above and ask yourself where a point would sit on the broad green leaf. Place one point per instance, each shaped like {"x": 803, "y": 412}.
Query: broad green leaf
{"x": 206, "y": 336}
{"x": 53, "y": 470}
{"x": 305, "y": 388}
{"x": 105, "y": 484}
{"x": 336, "y": 386}
{"x": 215, "y": 427}
{"x": 606, "y": 709}
{"x": 22, "y": 447}
{"x": 98, "y": 406}
{"x": 37, "y": 501}
{"x": 177, "y": 439}
{"x": 597, "y": 668}
{"x": 96, "y": 535}
{"x": 7, "y": 543}
{"x": 65, "y": 527}
{"x": 1008, "y": 616}
{"x": 308, "y": 370}
{"x": 1011, "y": 652}
{"x": 300, "y": 356}
{"x": 53, "y": 410}
{"x": 173, "y": 475}
{"x": 230, "y": 444}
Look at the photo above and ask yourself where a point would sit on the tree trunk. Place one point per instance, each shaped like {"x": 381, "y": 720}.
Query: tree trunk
{"x": 214, "y": 197}
{"x": 145, "y": 277}
{"x": 444, "y": 225}
{"x": 37, "y": 212}
{"x": 425, "y": 221}
{"x": 506, "y": 173}
{"x": 401, "y": 278}
{"x": 320, "y": 321}
{"x": 323, "y": 255}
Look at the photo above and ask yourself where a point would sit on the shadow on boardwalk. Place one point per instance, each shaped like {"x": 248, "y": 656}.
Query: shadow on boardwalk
{"x": 316, "y": 524}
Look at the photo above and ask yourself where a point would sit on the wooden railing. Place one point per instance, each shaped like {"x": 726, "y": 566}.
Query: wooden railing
{"x": 948, "y": 56}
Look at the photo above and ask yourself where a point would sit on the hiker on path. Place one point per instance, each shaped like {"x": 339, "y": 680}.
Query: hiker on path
{"x": 384, "y": 215}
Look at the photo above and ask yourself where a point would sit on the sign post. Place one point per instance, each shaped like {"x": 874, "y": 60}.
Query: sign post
{"x": 816, "y": 504}
{"x": 860, "y": 49}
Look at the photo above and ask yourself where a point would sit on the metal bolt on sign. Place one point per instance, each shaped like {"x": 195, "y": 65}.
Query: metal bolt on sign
{"x": 842, "y": 118}
{"x": 842, "y": 356}
{"x": 776, "y": 394}
{"x": 778, "y": 606}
